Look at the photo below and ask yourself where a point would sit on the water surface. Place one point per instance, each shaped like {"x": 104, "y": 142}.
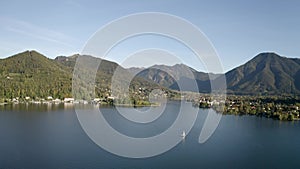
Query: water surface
{"x": 50, "y": 136}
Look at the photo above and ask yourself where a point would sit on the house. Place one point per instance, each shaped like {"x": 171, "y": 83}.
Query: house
{"x": 110, "y": 98}
{"x": 97, "y": 99}
{"x": 69, "y": 100}
{"x": 57, "y": 100}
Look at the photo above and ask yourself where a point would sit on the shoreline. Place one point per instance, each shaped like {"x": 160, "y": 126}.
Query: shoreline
{"x": 78, "y": 102}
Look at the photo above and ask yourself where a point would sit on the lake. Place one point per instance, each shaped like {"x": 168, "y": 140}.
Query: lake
{"x": 50, "y": 136}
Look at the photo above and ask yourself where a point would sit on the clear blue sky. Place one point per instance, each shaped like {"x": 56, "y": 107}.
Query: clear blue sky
{"x": 238, "y": 29}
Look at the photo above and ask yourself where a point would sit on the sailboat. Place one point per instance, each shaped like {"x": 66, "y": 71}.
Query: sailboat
{"x": 183, "y": 134}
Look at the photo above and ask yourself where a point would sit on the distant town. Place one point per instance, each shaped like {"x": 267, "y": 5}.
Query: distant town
{"x": 286, "y": 108}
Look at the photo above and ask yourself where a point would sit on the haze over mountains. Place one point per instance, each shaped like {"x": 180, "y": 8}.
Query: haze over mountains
{"x": 31, "y": 73}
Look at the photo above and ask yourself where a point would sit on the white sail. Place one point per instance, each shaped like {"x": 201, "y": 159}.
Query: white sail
{"x": 183, "y": 134}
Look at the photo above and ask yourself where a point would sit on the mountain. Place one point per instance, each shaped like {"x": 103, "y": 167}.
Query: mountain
{"x": 135, "y": 70}
{"x": 266, "y": 73}
{"x": 32, "y": 74}
{"x": 106, "y": 71}
{"x": 178, "y": 77}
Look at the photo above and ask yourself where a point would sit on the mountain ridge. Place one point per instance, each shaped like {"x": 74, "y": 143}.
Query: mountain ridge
{"x": 33, "y": 74}
{"x": 265, "y": 73}
{"x": 30, "y": 73}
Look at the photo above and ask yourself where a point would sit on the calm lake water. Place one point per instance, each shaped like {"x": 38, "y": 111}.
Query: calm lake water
{"x": 33, "y": 136}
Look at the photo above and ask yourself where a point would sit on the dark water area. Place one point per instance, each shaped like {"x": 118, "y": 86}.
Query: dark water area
{"x": 50, "y": 136}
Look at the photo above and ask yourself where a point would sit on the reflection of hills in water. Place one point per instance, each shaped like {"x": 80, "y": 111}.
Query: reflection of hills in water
{"x": 31, "y": 107}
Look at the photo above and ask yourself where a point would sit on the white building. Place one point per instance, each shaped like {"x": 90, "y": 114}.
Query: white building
{"x": 69, "y": 100}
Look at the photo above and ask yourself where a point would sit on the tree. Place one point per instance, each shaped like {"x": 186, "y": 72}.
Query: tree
{"x": 290, "y": 117}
